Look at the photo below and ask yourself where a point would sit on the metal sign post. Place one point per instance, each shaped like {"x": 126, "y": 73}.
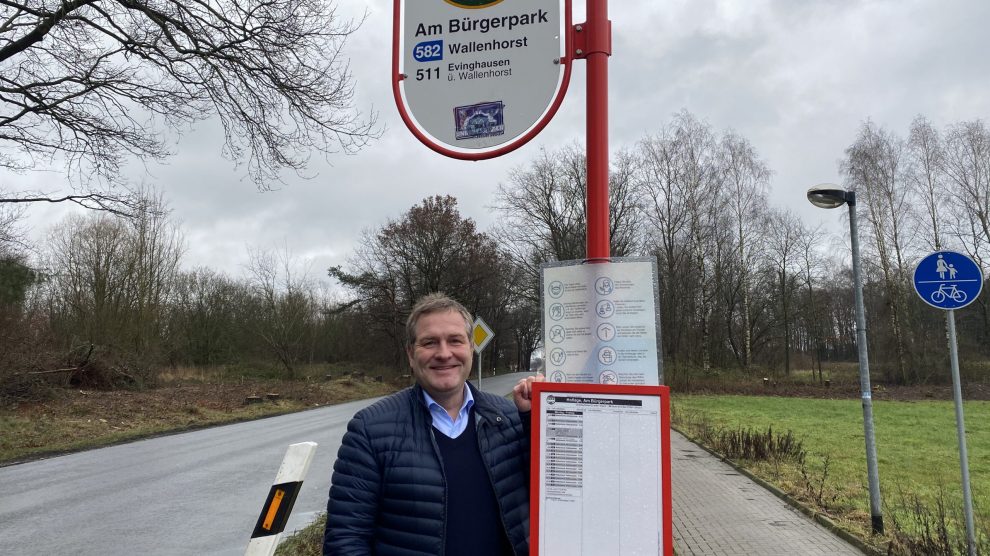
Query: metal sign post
{"x": 866, "y": 391}
{"x": 949, "y": 280}
{"x": 830, "y": 196}
{"x": 593, "y": 41}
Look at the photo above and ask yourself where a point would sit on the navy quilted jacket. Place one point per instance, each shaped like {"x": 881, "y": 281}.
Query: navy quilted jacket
{"x": 387, "y": 491}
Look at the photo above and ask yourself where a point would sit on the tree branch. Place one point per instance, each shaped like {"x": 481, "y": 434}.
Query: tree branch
{"x": 120, "y": 205}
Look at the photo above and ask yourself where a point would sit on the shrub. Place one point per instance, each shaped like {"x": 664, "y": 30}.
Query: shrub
{"x": 742, "y": 443}
{"x": 754, "y": 445}
{"x": 926, "y": 526}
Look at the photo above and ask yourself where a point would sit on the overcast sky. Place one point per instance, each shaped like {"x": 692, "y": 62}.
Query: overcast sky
{"x": 796, "y": 78}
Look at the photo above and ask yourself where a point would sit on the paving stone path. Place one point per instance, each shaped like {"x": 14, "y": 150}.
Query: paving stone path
{"x": 718, "y": 511}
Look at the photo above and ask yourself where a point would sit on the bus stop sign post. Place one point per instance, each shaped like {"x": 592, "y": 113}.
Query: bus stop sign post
{"x": 593, "y": 41}
{"x": 948, "y": 280}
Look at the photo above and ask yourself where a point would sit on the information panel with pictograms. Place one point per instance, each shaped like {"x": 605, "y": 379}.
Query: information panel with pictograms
{"x": 601, "y": 321}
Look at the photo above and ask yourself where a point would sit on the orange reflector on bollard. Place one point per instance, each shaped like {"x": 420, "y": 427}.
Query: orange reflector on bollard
{"x": 273, "y": 509}
{"x": 276, "y": 510}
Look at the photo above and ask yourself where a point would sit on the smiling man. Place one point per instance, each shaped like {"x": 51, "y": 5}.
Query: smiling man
{"x": 439, "y": 468}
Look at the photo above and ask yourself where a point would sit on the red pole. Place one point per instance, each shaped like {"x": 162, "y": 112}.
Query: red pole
{"x": 599, "y": 48}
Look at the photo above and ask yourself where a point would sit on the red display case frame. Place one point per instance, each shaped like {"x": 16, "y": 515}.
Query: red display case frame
{"x": 536, "y": 455}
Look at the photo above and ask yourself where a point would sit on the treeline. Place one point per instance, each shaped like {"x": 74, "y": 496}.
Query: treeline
{"x": 107, "y": 304}
{"x": 743, "y": 283}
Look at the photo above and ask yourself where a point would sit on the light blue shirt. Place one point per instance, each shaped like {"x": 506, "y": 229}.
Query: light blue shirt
{"x": 442, "y": 420}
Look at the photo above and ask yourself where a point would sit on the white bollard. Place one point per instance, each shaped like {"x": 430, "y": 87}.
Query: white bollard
{"x": 281, "y": 498}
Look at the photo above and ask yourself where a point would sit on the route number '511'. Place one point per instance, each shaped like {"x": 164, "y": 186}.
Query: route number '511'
{"x": 428, "y": 73}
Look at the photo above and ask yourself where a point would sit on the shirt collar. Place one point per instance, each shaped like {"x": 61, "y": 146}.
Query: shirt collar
{"x": 468, "y": 400}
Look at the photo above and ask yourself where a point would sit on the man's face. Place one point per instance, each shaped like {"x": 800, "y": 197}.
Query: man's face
{"x": 441, "y": 355}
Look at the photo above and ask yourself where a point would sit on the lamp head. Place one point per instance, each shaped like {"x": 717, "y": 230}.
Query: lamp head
{"x": 829, "y": 195}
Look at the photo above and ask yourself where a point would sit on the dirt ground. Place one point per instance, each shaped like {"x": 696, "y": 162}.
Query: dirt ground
{"x": 206, "y": 396}
{"x": 193, "y": 398}
{"x": 199, "y": 399}
{"x": 73, "y": 419}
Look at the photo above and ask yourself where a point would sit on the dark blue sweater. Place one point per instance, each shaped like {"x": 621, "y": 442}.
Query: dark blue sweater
{"x": 474, "y": 525}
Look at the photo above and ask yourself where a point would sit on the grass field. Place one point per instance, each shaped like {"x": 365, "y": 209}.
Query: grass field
{"x": 917, "y": 451}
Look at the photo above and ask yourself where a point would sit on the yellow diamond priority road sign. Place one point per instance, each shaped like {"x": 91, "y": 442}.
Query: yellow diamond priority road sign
{"x": 481, "y": 335}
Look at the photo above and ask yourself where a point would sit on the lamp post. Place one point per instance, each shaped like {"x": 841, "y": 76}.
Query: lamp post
{"x": 831, "y": 196}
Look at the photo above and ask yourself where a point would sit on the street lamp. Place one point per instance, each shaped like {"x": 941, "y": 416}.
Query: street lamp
{"x": 831, "y": 196}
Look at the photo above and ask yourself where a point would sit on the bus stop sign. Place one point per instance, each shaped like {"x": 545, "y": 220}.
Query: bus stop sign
{"x": 474, "y": 79}
{"x": 948, "y": 280}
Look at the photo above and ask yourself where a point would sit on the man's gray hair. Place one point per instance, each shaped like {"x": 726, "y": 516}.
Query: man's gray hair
{"x": 437, "y": 302}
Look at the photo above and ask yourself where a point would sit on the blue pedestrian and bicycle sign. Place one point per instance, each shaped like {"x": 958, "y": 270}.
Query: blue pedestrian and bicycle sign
{"x": 948, "y": 280}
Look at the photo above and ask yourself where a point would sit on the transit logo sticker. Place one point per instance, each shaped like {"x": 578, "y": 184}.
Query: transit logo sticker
{"x": 473, "y": 4}
{"x": 479, "y": 120}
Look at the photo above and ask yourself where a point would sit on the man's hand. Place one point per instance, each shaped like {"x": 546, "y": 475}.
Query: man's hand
{"x": 522, "y": 391}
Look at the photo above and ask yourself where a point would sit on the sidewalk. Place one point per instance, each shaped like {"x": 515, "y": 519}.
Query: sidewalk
{"x": 718, "y": 511}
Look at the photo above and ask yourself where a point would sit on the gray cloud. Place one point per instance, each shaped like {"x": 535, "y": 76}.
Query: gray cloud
{"x": 796, "y": 78}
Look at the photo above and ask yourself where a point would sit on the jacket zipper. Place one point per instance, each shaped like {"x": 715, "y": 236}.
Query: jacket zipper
{"x": 443, "y": 474}
{"x": 491, "y": 481}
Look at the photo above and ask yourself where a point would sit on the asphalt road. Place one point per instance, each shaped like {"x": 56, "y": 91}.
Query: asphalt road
{"x": 197, "y": 493}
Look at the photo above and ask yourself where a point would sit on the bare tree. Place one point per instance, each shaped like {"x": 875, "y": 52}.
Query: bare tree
{"x": 746, "y": 181}
{"x": 705, "y": 205}
{"x": 110, "y": 283}
{"x": 811, "y": 263}
{"x": 544, "y": 205}
{"x": 16, "y": 277}
{"x": 926, "y": 176}
{"x": 783, "y": 252}
{"x": 666, "y": 218}
{"x": 873, "y": 168}
{"x": 156, "y": 249}
{"x": 285, "y": 308}
{"x": 90, "y": 269}
{"x": 684, "y": 212}
{"x": 93, "y": 83}
{"x": 207, "y": 315}
{"x": 625, "y": 199}
{"x": 967, "y": 165}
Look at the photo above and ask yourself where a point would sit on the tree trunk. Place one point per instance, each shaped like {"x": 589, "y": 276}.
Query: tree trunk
{"x": 787, "y": 322}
